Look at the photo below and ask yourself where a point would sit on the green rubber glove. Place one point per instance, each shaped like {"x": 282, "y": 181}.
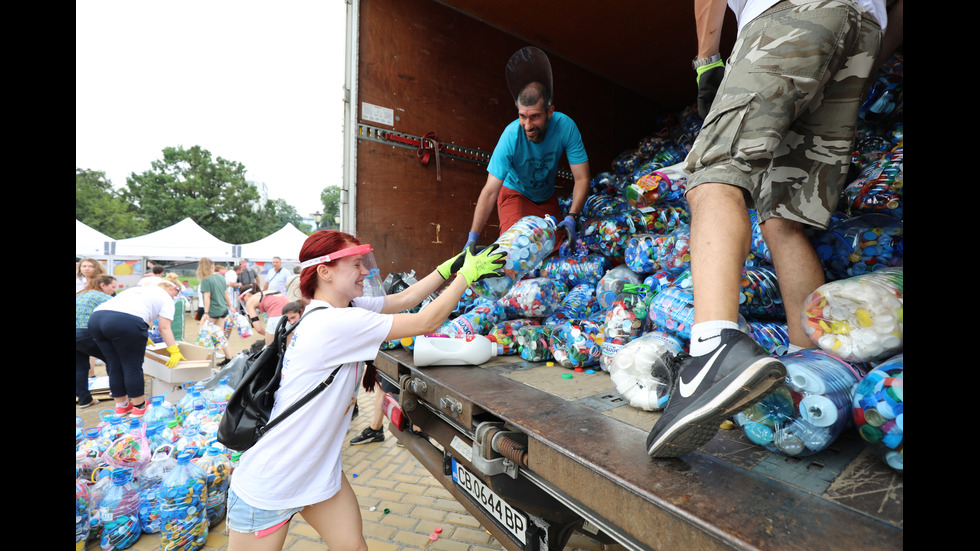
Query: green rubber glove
{"x": 709, "y": 79}
{"x": 451, "y": 266}
{"x": 175, "y": 355}
{"x": 486, "y": 263}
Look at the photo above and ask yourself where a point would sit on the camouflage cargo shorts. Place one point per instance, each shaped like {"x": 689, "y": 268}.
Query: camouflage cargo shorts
{"x": 783, "y": 123}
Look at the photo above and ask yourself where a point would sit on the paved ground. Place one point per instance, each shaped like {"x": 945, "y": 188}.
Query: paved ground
{"x": 384, "y": 476}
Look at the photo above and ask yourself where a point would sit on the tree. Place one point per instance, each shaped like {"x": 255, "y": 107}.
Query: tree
{"x": 100, "y": 207}
{"x": 188, "y": 183}
{"x": 330, "y": 197}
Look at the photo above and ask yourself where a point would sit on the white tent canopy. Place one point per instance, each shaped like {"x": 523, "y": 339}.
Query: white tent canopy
{"x": 89, "y": 242}
{"x": 285, "y": 243}
{"x": 185, "y": 241}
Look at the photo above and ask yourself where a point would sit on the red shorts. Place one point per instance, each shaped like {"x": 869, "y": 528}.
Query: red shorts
{"x": 512, "y": 206}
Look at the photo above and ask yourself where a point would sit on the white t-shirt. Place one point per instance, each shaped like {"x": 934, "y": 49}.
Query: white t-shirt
{"x": 747, "y": 10}
{"x": 299, "y": 462}
{"x": 277, "y": 280}
{"x": 146, "y": 303}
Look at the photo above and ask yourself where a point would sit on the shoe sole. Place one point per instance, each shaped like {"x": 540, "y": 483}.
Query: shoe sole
{"x": 352, "y": 443}
{"x": 697, "y": 425}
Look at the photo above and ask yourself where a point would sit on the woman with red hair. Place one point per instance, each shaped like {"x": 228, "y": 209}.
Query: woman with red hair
{"x": 297, "y": 466}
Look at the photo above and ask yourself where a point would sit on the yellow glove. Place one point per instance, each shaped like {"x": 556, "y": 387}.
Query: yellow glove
{"x": 149, "y": 341}
{"x": 175, "y": 355}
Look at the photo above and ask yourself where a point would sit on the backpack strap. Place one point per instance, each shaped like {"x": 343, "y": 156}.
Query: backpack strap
{"x": 281, "y": 334}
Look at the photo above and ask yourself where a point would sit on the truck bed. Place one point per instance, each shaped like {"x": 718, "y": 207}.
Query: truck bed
{"x": 585, "y": 450}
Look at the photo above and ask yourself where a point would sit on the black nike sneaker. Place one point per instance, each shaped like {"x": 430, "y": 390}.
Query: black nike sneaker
{"x": 708, "y": 389}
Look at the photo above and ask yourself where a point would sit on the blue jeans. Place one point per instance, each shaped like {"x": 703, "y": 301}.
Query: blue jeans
{"x": 122, "y": 340}
{"x": 84, "y": 348}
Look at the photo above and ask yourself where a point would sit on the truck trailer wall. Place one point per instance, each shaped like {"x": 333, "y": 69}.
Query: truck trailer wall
{"x": 431, "y": 68}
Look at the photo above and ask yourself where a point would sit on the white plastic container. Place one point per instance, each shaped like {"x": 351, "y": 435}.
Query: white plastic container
{"x": 446, "y": 350}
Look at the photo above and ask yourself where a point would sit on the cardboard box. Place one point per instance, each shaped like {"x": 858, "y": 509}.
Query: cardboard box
{"x": 168, "y": 381}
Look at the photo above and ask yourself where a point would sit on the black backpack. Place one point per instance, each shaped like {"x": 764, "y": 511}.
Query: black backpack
{"x": 246, "y": 418}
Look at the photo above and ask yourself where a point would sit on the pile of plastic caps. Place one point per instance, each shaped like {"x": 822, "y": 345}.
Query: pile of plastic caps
{"x": 163, "y": 473}
{"x": 588, "y": 306}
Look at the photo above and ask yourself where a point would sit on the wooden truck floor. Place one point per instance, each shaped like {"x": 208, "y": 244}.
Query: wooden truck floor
{"x": 584, "y": 439}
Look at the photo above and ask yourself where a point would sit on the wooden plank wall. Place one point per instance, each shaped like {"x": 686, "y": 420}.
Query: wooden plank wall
{"x": 442, "y": 71}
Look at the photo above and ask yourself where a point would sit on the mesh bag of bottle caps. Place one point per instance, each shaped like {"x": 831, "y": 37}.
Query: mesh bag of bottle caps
{"x": 878, "y": 405}
{"x": 606, "y": 183}
{"x": 643, "y": 369}
{"x": 575, "y": 343}
{"x": 533, "y": 343}
{"x": 862, "y": 244}
{"x": 505, "y": 334}
{"x": 131, "y": 449}
{"x": 535, "y": 297}
{"x": 809, "y": 411}
{"x": 858, "y": 319}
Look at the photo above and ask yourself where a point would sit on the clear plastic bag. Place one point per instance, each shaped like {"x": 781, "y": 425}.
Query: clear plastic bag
{"x": 579, "y": 302}
{"x": 479, "y": 320}
{"x": 526, "y": 244}
{"x": 535, "y": 297}
{"x": 505, "y": 335}
{"x": 858, "y": 319}
{"x": 643, "y": 370}
{"x": 809, "y": 411}
{"x": 575, "y": 343}
{"x": 534, "y": 343}
{"x": 878, "y": 406}
{"x": 860, "y": 245}
{"x": 131, "y": 449}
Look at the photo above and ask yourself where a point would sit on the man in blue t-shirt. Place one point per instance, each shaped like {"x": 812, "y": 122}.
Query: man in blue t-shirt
{"x": 522, "y": 169}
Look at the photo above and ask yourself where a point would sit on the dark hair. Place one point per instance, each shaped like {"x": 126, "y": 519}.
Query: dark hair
{"x": 533, "y": 93}
{"x": 318, "y": 244}
{"x": 293, "y": 306}
{"x": 157, "y": 269}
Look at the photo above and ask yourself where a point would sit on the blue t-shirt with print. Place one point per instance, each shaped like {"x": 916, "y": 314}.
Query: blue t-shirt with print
{"x": 530, "y": 168}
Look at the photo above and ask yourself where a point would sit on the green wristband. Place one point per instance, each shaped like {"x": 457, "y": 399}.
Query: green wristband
{"x": 704, "y": 68}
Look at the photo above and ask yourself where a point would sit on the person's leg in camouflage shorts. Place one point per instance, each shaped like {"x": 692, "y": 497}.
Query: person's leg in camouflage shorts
{"x": 777, "y": 139}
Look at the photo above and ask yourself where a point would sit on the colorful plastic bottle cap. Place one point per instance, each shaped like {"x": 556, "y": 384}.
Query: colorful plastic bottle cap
{"x": 566, "y": 375}
{"x": 438, "y": 530}
{"x": 819, "y": 411}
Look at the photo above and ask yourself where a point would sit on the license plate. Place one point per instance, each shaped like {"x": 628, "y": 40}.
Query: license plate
{"x": 513, "y": 520}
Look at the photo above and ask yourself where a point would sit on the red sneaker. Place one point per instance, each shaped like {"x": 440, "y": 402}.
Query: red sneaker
{"x": 123, "y": 411}
{"x": 139, "y": 410}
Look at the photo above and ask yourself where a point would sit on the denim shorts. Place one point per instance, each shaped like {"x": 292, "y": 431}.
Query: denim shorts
{"x": 244, "y": 518}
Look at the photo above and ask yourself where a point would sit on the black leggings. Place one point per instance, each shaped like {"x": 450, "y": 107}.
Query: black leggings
{"x": 122, "y": 340}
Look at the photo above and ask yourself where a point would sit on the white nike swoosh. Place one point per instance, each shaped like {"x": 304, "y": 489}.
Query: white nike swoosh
{"x": 688, "y": 388}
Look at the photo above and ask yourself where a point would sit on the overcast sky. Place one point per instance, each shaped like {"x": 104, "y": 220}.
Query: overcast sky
{"x": 260, "y": 83}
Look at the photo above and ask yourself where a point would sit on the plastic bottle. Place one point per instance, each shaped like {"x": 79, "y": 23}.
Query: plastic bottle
{"x": 119, "y": 511}
{"x": 221, "y": 393}
{"x": 526, "y": 244}
{"x": 185, "y": 493}
{"x": 218, "y": 468}
{"x": 446, "y": 350}
{"x": 158, "y": 412}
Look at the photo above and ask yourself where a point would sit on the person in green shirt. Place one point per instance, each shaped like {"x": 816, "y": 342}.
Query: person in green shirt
{"x": 214, "y": 293}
